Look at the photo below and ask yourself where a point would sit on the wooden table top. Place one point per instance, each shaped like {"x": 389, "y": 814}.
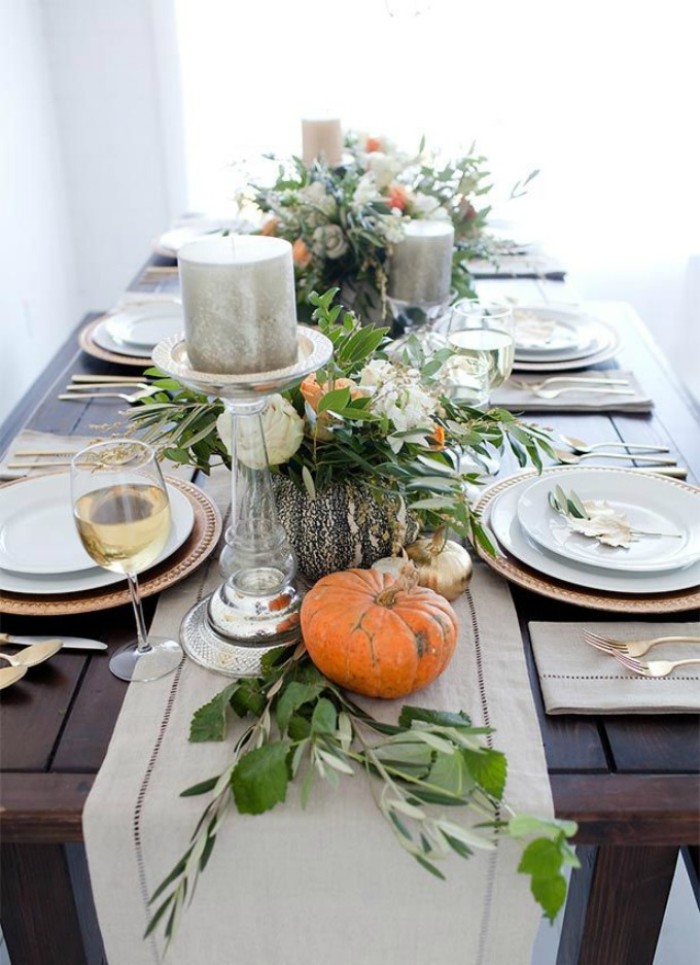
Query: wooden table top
{"x": 621, "y": 778}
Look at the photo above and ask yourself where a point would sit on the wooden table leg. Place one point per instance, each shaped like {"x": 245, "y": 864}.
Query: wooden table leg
{"x": 41, "y": 920}
{"x": 616, "y": 905}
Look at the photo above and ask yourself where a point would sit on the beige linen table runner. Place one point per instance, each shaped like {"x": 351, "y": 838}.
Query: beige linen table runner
{"x": 578, "y": 679}
{"x": 295, "y": 887}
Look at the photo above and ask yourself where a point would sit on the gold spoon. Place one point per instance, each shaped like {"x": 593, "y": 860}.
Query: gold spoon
{"x": 33, "y": 655}
{"x": 579, "y": 446}
{"x": 10, "y": 675}
{"x": 571, "y": 459}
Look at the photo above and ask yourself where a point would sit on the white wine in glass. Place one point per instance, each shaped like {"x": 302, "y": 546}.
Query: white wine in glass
{"x": 484, "y": 329}
{"x": 122, "y": 512}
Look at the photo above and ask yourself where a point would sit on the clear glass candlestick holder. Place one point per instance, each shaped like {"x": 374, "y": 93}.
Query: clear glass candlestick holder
{"x": 256, "y": 608}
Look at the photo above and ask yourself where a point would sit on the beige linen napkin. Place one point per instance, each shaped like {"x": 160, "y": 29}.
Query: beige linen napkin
{"x": 578, "y": 679}
{"x": 64, "y": 447}
{"x": 59, "y": 451}
{"x": 511, "y": 396}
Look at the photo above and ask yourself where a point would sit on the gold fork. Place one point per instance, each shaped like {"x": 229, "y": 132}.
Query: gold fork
{"x": 652, "y": 668}
{"x": 632, "y": 648}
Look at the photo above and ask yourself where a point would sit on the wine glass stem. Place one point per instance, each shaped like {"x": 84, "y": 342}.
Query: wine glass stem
{"x": 143, "y": 645}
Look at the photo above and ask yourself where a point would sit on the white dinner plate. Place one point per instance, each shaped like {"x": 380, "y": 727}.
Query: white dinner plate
{"x": 170, "y": 242}
{"x": 604, "y": 350}
{"x": 62, "y": 540}
{"x": 142, "y": 325}
{"x": 101, "y": 337}
{"x": 650, "y": 503}
{"x": 503, "y": 520}
{"x": 546, "y": 331}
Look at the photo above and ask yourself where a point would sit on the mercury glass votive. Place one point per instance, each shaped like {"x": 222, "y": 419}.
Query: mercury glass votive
{"x": 239, "y": 303}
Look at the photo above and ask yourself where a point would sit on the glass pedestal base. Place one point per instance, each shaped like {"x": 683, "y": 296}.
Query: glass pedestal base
{"x": 163, "y": 657}
{"x": 231, "y": 631}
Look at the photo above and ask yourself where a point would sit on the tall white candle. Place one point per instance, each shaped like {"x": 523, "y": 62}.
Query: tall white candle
{"x": 239, "y": 303}
{"x": 420, "y": 268}
{"x": 322, "y": 139}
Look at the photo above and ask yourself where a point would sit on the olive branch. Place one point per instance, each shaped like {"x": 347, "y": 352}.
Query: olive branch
{"x": 305, "y": 728}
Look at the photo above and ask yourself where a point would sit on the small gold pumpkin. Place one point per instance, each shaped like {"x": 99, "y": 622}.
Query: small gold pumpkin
{"x": 442, "y": 564}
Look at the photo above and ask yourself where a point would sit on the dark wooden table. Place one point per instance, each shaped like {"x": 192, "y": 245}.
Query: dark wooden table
{"x": 630, "y": 782}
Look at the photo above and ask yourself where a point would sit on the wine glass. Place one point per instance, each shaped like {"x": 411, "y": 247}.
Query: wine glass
{"x": 484, "y": 330}
{"x": 122, "y": 512}
{"x": 483, "y": 334}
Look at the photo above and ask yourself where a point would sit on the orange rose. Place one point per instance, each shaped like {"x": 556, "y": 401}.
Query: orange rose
{"x": 270, "y": 227}
{"x": 313, "y": 392}
{"x": 373, "y": 144}
{"x": 439, "y": 437}
{"x": 300, "y": 254}
{"x": 398, "y": 197}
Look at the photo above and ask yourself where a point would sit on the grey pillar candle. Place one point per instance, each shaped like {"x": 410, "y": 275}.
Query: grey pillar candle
{"x": 420, "y": 267}
{"x": 239, "y": 303}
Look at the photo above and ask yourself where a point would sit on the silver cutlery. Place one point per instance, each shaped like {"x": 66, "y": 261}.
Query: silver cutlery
{"x": 632, "y": 648}
{"x": 27, "y": 453}
{"x": 675, "y": 472}
{"x": 128, "y": 397}
{"x": 107, "y": 379}
{"x": 578, "y": 379}
{"x": 69, "y": 643}
{"x": 571, "y": 459}
{"x": 82, "y": 386}
{"x": 43, "y": 464}
{"x": 588, "y": 390}
{"x": 581, "y": 447}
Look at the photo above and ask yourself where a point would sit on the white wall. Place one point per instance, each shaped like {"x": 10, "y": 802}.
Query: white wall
{"x": 38, "y": 300}
{"x": 91, "y": 168}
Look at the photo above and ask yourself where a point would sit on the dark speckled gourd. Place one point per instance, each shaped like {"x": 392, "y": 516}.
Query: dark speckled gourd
{"x": 344, "y": 526}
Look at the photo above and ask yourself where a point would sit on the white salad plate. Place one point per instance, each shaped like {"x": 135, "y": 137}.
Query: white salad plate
{"x": 170, "y": 242}
{"x": 502, "y": 518}
{"x": 40, "y": 510}
{"x": 142, "y": 325}
{"x": 581, "y": 340}
{"x": 101, "y": 337}
{"x": 542, "y": 332}
{"x": 650, "y": 504}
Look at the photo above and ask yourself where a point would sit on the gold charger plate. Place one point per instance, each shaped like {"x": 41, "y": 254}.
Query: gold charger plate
{"x": 88, "y": 345}
{"x": 199, "y": 545}
{"x": 522, "y": 575}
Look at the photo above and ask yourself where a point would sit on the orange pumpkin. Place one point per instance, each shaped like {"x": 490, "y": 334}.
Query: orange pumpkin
{"x": 377, "y": 635}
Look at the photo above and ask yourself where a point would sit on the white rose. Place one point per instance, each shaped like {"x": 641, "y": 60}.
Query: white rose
{"x": 329, "y": 241}
{"x": 426, "y": 206}
{"x": 366, "y": 191}
{"x": 376, "y": 372}
{"x": 392, "y": 226}
{"x": 283, "y": 428}
{"x": 319, "y": 206}
{"x": 383, "y": 167}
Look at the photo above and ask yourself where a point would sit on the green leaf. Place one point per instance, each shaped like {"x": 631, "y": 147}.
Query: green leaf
{"x": 442, "y": 718}
{"x": 550, "y": 893}
{"x": 525, "y": 825}
{"x": 336, "y": 400}
{"x": 209, "y": 722}
{"x": 489, "y": 769}
{"x": 201, "y": 788}
{"x": 541, "y": 858}
{"x": 259, "y": 780}
{"x": 248, "y": 698}
{"x": 450, "y": 773}
{"x": 324, "y": 717}
{"x": 292, "y": 697}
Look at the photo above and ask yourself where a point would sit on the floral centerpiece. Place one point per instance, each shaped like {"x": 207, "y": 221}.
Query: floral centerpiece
{"x": 364, "y": 452}
{"x": 343, "y": 221}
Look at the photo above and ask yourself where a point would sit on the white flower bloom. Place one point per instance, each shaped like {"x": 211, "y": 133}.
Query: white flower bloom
{"x": 318, "y": 205}
{"x": 376, "y": 372}
{"x": 383, "y": 167}
{"x": 405, "y": 402}
{"x": 391, "y": 226}
{"x": 366, "y": 191}
{"x": 283, "y": 428}
{"x": 426, "y": 206}
{"x": 329, "y": 241}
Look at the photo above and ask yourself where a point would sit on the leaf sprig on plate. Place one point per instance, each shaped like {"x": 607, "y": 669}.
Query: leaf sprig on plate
{"x": 597, "y": 519}
{"x": 301, "y": 727}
